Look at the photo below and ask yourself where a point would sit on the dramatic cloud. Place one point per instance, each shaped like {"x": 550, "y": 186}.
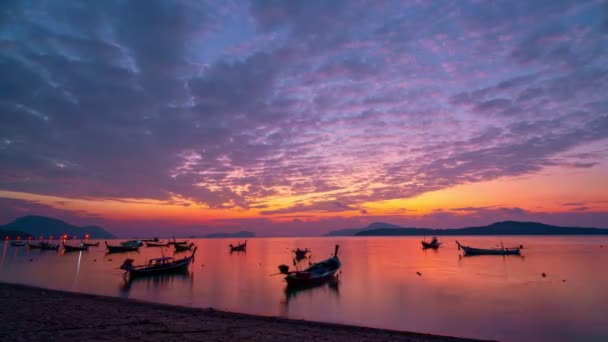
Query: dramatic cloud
{"x": 230, "y": 104}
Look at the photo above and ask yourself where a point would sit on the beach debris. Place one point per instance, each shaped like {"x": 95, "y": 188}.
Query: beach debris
{"x": 418, "y": 273}
{"x": 544, "y": 275}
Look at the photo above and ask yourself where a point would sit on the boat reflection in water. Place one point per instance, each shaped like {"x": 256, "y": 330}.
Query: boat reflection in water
{"x": 331, "y": 285}
{"x": 155, "y": 282}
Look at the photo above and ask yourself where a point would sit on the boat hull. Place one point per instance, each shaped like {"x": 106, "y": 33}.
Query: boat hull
{"x": 478, "y": 251}
{"x": 426, "y": 245}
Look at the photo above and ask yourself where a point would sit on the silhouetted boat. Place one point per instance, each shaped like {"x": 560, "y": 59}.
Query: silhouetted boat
{"x": 68, "y": 248}
{"x": 241, "y": 247}
{"x": 492, "y": 251}
{"x": 90, "y": 244}
{"x": 121, "y": 248}
{"x": 17, "y": 243}
{"x": 315, "y": 274}
{"x": 178, "y": 242}
{"x": 183, "y": 248}
{"x": 44, "y": 246}
{"x": 434, "y": 244}
{"x": 156, "y": 244}
{"x": 158, "y": 266}
{"x": 300, "y": 253}
{"x": 132, "y": 243}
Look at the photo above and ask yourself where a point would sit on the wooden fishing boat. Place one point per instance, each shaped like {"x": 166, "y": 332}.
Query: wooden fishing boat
{"x": 158, "y": 266}
{"x": 157, "y": 244}
{"x": 90, "y": 244}
{"x": 121, "y": 248}
{"x": 177, "y": 242}
{"x": 492, "y": 251}
{"x": 183, "y": 248}
{"x": 434, "y": 244}
{"x": 300, "y": 253}
{"x": 44, "y": 246}
{"x": 132, "y": 243}
{"x": 17, "y": 243}
{"x": 69, "y": 248}
{"x": 240, "y": 247}
{"x": 315, "y": 274}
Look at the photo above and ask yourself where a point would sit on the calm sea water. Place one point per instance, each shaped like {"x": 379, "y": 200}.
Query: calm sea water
{"x": 494, "y": 297}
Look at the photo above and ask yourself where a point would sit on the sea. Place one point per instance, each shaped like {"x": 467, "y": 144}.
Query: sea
{"x": 557, "y": 290}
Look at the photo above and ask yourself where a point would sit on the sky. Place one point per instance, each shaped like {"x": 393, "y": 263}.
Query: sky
{"x": 299, "y": 117}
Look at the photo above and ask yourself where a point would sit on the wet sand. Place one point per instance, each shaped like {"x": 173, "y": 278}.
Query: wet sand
{"x": 36, "y": 314}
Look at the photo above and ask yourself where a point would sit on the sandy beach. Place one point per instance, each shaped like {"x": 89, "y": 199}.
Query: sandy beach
{"x": 36, "y": 314}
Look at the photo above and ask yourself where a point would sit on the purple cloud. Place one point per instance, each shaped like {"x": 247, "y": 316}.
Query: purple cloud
{"x": 159, "y": 100}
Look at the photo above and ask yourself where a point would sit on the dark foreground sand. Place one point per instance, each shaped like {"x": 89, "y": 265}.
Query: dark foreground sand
{"x": 35, "y": 314}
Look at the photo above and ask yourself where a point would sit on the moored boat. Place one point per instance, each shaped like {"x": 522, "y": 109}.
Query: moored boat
{"x": 158, "y": 266}
{"x": 121, "y": 248}
{"x": 156, "y": 244}
{"x": 70, "y": 248}
{"x": 300, "y": 253}
{"x": 315, "y": 274}
{"x": 132, "y": 243}
{"x": 90, "y": 244}
{"x": 240, "y": 247}
{"x": 47, "y": 246}
{"x": 434, "y": 244}
{"x": 177, "y": 242}
{"x": 183, "y": 248}
{"x": 17, "y": 243}
{"x": 491, "y": 251}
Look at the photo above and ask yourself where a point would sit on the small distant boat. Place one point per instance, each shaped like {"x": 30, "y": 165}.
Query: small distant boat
{"x": 156, "y": 244}
{"x": 240, "y": 247}
{"x": 17, "y": 243}
{"x": 315, "y": 274}
{"x": 183, "y": 248}
{"x": 158, "y": 266}
{"x": 300, "y": 253}
{"x": 434, "y": 244}
{"x": 132, "y": 243}
{"x": 492, "y": 251}
{"x": 177, "y": 242}
{"x": 121, "y": 248}
{"x": 44, "y": 246}
{"x": 90, "y": 244}
{"x": 69, "y": 248}
{"x": 151, "y": 240}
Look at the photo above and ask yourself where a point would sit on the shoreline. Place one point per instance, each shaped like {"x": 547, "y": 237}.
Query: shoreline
{"x": 32, "y": 313}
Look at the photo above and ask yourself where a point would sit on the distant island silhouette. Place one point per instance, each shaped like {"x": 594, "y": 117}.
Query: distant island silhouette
{"x": 497, "y": 228}
{"x": 35, "y": 226}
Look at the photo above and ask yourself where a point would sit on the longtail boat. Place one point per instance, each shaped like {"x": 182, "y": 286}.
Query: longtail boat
{"x": 17, "y": 243}
{"x": 300, "y": 253}
{"x": 157, "y": 266}
{"x": 492, "y": 251}
{"x": 157, "y": 244}
{"x": 177, "y": 242}
{"x": 132, "y": 243}
{"x": 434, "y": 244}
{"x": 46, "y": 246}
{"x": 69, "y": 248}
{"x": 315, "y": 274}
{"x": 90, "y": 244}
{"x": 240, "y": 247}
{"x": 121, "y": 248}
{"x": 183, "y": 248}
